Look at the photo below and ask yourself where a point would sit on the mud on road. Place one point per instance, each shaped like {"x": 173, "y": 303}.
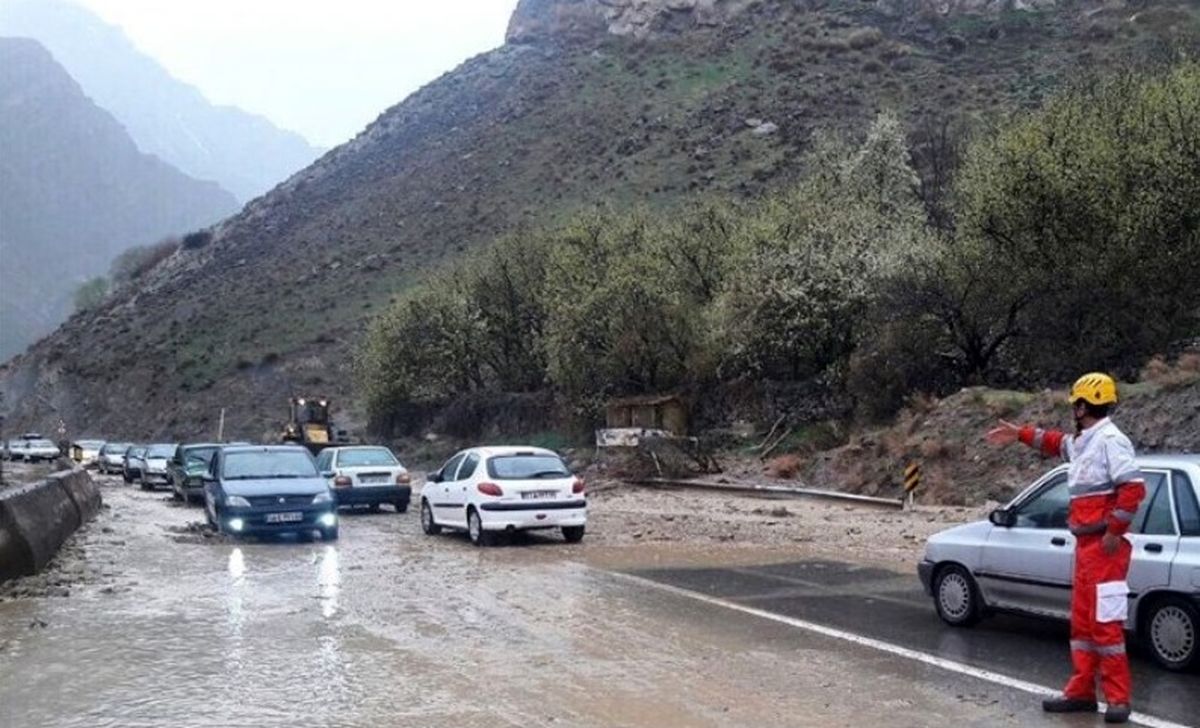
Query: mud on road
{"x": 145, "y": 621}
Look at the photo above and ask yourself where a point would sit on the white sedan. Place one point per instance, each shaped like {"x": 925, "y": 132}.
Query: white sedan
{"x": 489, "y": 490}
{"x": 1021, "y": 560}
{"x": 366, "y": 476}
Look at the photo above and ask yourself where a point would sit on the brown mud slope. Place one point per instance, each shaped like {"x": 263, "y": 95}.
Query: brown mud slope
{"x": 946, "y": 437}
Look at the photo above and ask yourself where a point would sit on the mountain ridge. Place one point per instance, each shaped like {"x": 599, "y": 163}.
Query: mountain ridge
{"x": 165, "y": 117}
{"x": 77, "y": 191}
{"x": 572, "y": 20}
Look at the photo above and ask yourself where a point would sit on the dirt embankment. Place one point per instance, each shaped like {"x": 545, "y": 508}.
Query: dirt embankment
{"x": 1160, "y": 414}
{"x": 634, "y": 525}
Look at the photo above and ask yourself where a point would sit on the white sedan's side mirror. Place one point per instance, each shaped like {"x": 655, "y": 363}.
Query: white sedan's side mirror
{"x": 1003, "y": 517}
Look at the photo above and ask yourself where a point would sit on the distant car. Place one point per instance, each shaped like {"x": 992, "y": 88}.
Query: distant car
{"x": 257, "y": 489}
{"x": 366, "y": 476}
{"x": 1021, "y": 560}
{"x": 135, "y": 463}
{"x": 14, "y": 449}
{"x": 111, "y": 458}
{"x": 32, "y": 451}
{"x": 154, "y": 470}
{"x": 186, "y": 470}
{"x": 487, "y": 490}
{"x": 86, "y": 452}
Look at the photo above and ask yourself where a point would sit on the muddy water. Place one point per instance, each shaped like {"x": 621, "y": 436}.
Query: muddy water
{"x": 389, "y": 627}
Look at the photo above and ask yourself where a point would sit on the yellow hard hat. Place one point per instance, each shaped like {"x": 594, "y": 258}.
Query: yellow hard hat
{"x": 1096, "y": 388}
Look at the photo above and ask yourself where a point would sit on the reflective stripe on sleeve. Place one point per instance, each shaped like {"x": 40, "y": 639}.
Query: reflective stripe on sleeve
{"x": 1085, "y": 489}
{"x": 1123, "y": 516}
{"x": 1130, "y": 476}
{"x": 1039, "y": 435}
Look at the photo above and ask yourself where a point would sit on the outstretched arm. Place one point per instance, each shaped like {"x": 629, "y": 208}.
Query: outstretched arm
{"x": 1048, "y": 442}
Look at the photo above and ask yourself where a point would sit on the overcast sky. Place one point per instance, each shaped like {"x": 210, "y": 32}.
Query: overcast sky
{"x": 324, "y": 68}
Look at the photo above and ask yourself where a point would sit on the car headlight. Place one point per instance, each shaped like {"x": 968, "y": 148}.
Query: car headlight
{"x": 236, "y": 501}
{"x": 322, "y": 498}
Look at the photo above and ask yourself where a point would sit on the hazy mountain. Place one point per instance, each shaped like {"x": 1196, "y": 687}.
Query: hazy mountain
{"x": 74, "y": 192}
{"x": 244, "y": 153}
{"x": 615, "y": 102}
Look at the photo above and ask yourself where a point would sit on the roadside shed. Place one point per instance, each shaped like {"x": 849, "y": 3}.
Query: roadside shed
{"x": 667, "y": 412}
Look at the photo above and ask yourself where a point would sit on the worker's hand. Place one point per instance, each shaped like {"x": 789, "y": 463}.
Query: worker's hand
{"x": 1110, "y": 543}
{"x": 1005, "y": 434}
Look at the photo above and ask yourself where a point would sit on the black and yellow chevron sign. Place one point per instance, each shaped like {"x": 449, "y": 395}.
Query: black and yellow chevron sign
{"x": 912, "y": 477}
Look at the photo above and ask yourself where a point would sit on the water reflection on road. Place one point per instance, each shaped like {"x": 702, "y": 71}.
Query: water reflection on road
{"x": 385, "y": 627}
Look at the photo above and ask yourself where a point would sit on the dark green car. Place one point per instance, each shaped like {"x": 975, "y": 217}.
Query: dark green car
{"x": 187, "y": 468}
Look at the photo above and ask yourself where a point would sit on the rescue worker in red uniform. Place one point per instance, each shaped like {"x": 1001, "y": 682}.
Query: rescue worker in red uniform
{"x": 1106, "y": 489}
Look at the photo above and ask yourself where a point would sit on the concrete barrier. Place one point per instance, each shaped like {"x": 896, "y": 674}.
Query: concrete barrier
{"x": 36, "y": 519}
{"x": 82, "y": 490}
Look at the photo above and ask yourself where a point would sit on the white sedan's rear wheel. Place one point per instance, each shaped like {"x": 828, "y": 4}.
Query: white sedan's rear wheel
{"x": 1173, "y": 633}
{"x": 428, "y": 525}
{"x": 475, "y": 531}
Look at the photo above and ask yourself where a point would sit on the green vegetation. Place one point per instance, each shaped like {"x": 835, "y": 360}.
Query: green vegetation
{"x": 1077, "y": 245}
{"x": 137, "y": 261}
{"x": 129, "y": 266}
{"x": 91, "y": 293}
{"x": 1072, "y": 242}
{"x": 619, "y": 303}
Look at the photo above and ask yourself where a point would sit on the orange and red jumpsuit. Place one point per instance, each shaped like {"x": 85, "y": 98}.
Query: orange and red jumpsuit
{"x": 1106, "y": 489}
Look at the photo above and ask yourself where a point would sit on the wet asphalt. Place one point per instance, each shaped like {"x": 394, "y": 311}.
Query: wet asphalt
{"x": 892, "y": 607}
{"x": 388, "y": 627}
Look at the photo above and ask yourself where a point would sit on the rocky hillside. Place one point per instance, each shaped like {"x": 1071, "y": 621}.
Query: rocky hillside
{"x": 244, "y": 153}
{"x": 569, "y": 20}
{"x": 1161, "y": 413}
{"x": 549, "y": 124}
{"x": 76, "y": 191}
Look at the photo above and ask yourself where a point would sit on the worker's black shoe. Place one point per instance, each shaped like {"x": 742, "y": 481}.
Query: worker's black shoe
{"x": 1069, "y": 705}
{"x": 1117, "y": 714}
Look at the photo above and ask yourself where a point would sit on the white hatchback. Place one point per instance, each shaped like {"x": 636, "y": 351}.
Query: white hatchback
{"x": 488, "y": 490}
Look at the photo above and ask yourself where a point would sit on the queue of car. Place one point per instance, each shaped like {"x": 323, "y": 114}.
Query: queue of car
{"x": 262, "y": 489}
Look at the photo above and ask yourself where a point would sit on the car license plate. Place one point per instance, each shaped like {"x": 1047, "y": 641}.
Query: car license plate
{"x": 373, "y": 479}
{"x": 538, "y": 494}
{"x": 285, "y": 517}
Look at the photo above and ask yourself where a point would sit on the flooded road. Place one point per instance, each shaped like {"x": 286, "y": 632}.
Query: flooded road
{"x": 388, "y": 627}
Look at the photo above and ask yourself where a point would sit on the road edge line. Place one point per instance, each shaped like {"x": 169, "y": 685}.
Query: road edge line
{"x": 880, "y": 645}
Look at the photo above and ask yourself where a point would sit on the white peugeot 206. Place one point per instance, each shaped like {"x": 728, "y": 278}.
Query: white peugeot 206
{"x": 490, "y": 490}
